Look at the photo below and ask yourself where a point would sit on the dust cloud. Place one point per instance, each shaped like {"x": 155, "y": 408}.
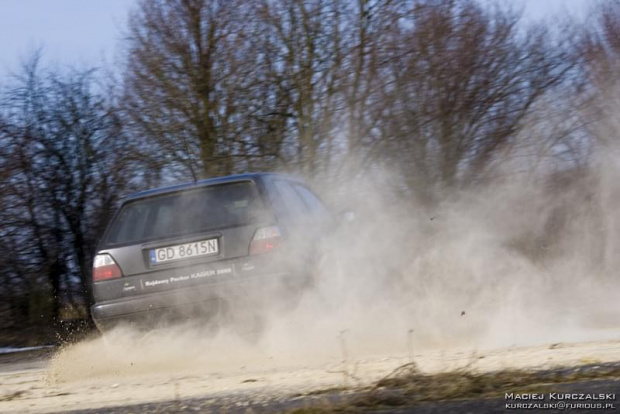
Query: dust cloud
{"x": 518, "y": 261}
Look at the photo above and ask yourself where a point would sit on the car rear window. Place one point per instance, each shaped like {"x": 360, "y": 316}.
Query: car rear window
{"x": 185, "y": 213}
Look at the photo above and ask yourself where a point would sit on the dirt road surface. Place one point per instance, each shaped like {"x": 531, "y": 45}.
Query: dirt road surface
{"x": 33, "y": 382}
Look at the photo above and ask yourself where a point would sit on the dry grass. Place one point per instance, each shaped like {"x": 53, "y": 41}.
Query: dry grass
{"x": 408, "y": 386}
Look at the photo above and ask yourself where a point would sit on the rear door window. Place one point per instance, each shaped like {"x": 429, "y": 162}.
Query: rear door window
{"x": 293, "y": 204}
{"x": 187, "y": 212}
{"x": 313, "y": 203}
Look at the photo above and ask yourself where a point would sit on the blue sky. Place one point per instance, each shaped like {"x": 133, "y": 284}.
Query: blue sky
{"x": 71, "y": 32}
{"x": 538, "y": 9}
{"x": 87, "y": 32}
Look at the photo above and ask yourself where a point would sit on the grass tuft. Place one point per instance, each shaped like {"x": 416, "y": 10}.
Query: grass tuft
{"x": 407, "y": 386}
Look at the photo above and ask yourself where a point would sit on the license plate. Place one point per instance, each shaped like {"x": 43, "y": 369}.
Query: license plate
{"x": 184, "y": 251}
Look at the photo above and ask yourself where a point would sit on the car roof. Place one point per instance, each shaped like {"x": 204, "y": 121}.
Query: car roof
{"x": 207, "y": 182}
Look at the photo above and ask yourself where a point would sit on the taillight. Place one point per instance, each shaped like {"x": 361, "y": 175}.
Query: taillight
{"x": 104, "y": 268}
{"x": 265, "y": 240}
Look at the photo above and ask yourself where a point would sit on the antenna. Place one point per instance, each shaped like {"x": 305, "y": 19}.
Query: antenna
{"x": 189, "y": 155}
{"x": 191, "y": 169}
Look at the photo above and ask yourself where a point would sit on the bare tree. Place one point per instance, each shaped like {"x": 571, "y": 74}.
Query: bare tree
{"x": 459, "y": 80}
{"x": 63, "y": 160}
{"x": 185, "y": 71}
{"x": 306, "y": 46}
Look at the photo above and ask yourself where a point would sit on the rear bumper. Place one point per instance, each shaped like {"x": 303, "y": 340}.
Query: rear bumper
{"x": 160, "y": 307}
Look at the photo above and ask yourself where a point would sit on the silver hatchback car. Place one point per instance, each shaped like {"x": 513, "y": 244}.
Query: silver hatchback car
{"x": 182, "y": 251}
